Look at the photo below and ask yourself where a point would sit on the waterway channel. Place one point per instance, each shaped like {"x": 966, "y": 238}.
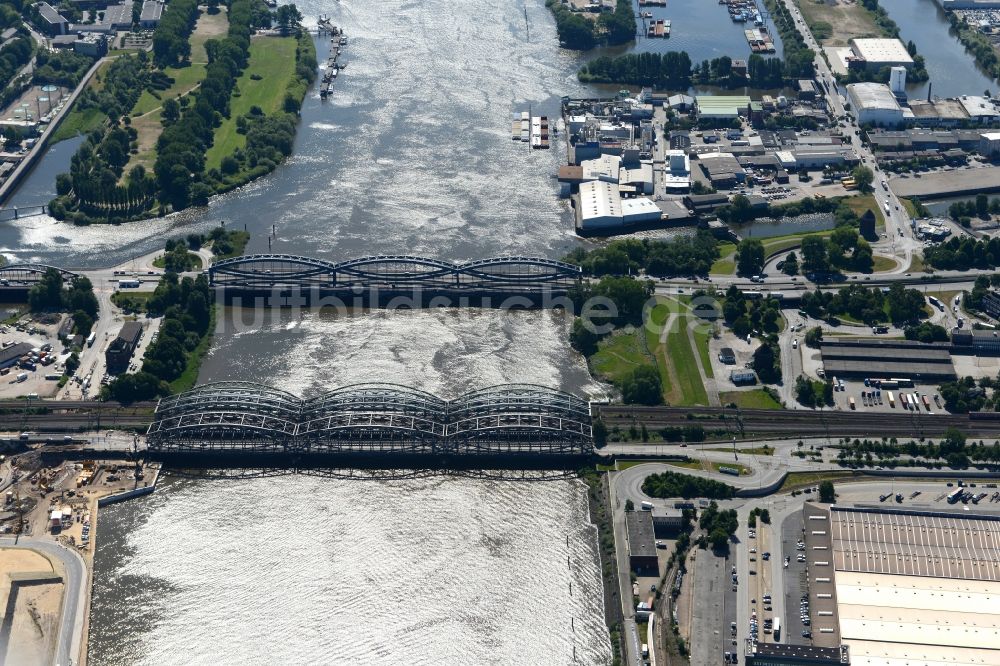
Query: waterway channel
{"x": 412, "y": 155}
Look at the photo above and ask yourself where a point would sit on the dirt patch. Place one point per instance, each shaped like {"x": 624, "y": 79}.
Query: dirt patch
{"x": 844, "y": 20}
{"x": 36, "y": 612}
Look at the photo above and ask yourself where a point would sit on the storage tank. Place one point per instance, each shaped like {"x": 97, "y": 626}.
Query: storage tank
{"x": 897, "y": 80}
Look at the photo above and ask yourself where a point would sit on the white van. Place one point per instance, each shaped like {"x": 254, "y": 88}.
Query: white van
{"x": 646, "y": 506}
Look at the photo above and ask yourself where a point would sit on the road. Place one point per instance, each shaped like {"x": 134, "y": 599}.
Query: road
{"x": 74, "y": 595}
{"x": 900, "y": 240}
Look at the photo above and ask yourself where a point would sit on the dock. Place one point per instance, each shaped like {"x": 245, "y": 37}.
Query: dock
{"x": 531, "y": 130}
{"x": 659, "y": 28}
{"x": 743, "y": 11}
{"x": 759, "y": 40}
{"x": 333, "y": 67}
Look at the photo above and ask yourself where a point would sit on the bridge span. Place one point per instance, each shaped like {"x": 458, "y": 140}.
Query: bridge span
{"x": 377, "y": 278}
{"x": 519, "y": 420}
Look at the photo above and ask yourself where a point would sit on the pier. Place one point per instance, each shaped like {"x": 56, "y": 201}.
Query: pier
{"x": 333, "y": 67}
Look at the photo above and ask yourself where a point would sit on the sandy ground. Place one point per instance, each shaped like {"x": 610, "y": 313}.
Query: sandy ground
{"x": 847, "y": 18}
{"x": 36, "y": 613}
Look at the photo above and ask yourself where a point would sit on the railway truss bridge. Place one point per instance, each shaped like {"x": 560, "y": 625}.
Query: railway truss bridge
{"x": 233, "y": 418}
{"x": 377, "y": 279}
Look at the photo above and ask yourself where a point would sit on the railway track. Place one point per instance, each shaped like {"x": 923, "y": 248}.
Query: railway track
{"x": 750, "y": 422}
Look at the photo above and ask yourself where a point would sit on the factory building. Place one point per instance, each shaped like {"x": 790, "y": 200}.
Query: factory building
{"x": 722, "y": 170}
{"x": 119, "y": 353}
{"x": 916, "y": 586}
{"x": 677, "y": 174}
{"x": 780, "y": 654}
{"x": 859, "y": 357}
{"x": 722, "y": 107}
{"x": 875, "y": 104}
{"x": 602, "y": 207}
{"x": 641, "y": 541}
{"x": 977, "y": 341}
{"x": 874, "y": 54}
{"x": 989, "y": 143}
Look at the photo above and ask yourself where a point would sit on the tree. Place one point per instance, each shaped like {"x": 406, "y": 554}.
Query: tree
{"x": 629, "y": 505}
{"x": 83, "y": 322}
{"x": 47, "y": 294}
{"x": 765, "y": 516}
{"x": 582, "y": 338}
{"x": 827, "y": 494}
{"x": 864, "y": 177}
{"x": 642, "y": 387}
{"x": 171, "y": 110}
{"x": 749, "y": 256}
{"x": 288, "y": 18}
{"x": 814, "y": 336}
{"x": 791, "y": 264}
{"x": 814, "y": 256}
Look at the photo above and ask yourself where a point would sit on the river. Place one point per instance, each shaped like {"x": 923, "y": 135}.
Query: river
{"x": 412, "y": 155}
{"x": 951, "y": 68}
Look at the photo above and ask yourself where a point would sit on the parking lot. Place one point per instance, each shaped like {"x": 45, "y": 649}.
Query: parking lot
{"x": 875, "y": 399}
{"x": 796, "y": 581}
{"x": 710, "y": 636}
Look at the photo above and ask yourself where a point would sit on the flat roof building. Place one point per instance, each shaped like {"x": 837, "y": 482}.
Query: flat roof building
{"x": 879, "y": 53}
{"x": 979, "y": 341}
{"x": 119, "y": 353}
{"x": 600, "y": 205}
{"x": 52, "y": 22}
{"x": 886, "y": 358}
{"x": 722, "y": 106}
{"x": 639, "y": 210}
{"x": 781, "y": 654}
{"x": 677, "y": 170}
{"x": 641, "y": 543}
{"x": 875, "y": 104}
{"x": 152, "y": 11}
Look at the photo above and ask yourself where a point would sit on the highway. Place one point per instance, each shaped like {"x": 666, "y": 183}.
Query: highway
{"x": 74, "y": 604}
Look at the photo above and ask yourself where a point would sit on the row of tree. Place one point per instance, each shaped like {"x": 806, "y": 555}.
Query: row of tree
{"x": 186, "y": 309}
{"x": 964, "y": 253}
{"x": 798, "y": 57}
{"x": 687, "y": 255}
{"x": 171, "y": 38}
{"x": 868, "y": 305}
{"x": 674, "y": 70}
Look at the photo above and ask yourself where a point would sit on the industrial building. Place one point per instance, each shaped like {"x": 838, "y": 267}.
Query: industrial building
{"x": 859, "y": 357}
{"x": 991, "y": 304}
{"x": 743, "y": 377}
{"x": 119, "y": 353}
{"x": 677, "y": 171}
{"x": 722, "y": 170}
{"x": 152, "y": 11}
{"x": 641, "y": 543}
{"x": 601, "y": 206}
{"x": 10, "y": 355}
{"x": 871, "y": 53}
{"x": 780, "y": 654}
{"x": 52, "y": 22}
{"x": 917, "y": 586}
{"x": 875, "y": 104}
{"x": 667, "y": 521}
{"x": 722, "y": 107}
{"x": 977, "y": 341}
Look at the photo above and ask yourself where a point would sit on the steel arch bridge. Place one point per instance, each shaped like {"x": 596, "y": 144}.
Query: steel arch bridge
{"x": 513, "y": 274}
{"x": 514, "y": 419}
{"x": 30, "y": 274}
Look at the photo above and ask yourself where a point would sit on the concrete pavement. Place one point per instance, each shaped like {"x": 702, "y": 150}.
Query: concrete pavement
{"x": 74, "y": 603}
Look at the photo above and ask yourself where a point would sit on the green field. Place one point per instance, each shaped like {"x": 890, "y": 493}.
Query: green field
{"x": 701, "y": 339}
{"x": 185, "y": 80}
{"x": 272, "y": 64}
{"x": 801, "y": 479}
{"x": 754, "y": 399}
{"x": 657, "y": 317}
{"x": 883, "y": 264}
{"x": 689, "y": 380}
{"x": 864, "y": 202}
{"x": 618, "y": 355}
{"x": 79, "y": 122}
{"x": 726, "y": 263}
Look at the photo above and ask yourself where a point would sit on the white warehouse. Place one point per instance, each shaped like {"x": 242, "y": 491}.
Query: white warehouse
{"x": 874, "y": 103}
{"x": 602, "y": 207}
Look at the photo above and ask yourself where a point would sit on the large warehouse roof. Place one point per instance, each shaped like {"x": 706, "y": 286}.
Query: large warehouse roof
{"x": 864, "y": 368}
{"x": 722, "y": 105}
{"x": 870, "y": 96}
{"x": 917, "y": 587}
{"x": 882, "y": 50}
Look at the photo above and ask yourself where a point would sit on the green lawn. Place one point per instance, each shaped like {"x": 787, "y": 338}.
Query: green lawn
{"x": 864, "y": 202}
{"x": 802, "y": 479}
{"x": 726, "y": 263}
{"x": 618, "y": 355}
{"x": 78, "y": 122}
{"x": 681, "y": 356}
{"x": 185, "y": 79}
{"x": 701, "y": 339}
{"x": 755, "y": 399}
{"x": 778, "y": 244}
{"x": 657, "y": 318}
{"x": 272, "y": 62}
{"x": 883, "y": 264}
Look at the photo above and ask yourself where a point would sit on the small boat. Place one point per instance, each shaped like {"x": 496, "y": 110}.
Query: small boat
{"x": 647, "y": 15}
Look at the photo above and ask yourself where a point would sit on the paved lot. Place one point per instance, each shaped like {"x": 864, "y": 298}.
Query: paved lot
{"x": 708, "y": 631}
{"x": 945, "y": 182}
{"x": 917, "y": 545}
{"x": 796, "y": 581}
